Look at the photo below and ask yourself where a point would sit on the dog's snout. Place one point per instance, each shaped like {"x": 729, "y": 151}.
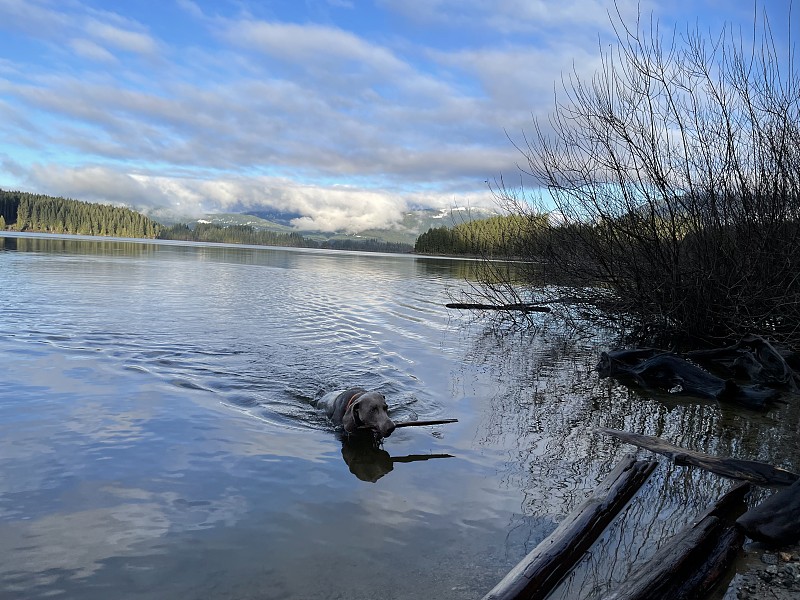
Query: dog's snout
{"x": 388, "y": 429}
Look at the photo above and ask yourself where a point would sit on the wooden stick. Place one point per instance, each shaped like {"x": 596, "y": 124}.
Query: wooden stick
{"x": 417, "y": 423}
{"x": 418, "y": 457}
{"x": 542, "y": 569}
{"x": 747, "y": 470}
{"x": 421, "y": 423}
{"x": 524, "y": 307}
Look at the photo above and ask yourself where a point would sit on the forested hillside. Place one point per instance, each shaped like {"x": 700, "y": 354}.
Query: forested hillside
{"x": 231, "y": 234}
{"x": 246, "y": 234}
{"x": 23, "y": 211}
{"x": 497, "y": 236}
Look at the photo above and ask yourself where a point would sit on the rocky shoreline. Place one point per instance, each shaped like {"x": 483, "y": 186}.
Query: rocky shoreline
{"x": 767, "y": 574}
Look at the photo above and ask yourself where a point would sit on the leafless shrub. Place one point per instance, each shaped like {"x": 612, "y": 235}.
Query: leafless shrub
{"x": 674, "y": 174}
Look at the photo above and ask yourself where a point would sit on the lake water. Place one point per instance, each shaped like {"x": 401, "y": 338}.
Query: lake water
{"x": 159, "y": 439}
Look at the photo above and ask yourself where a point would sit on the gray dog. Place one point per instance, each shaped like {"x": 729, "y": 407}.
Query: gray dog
{"x": 357, "y": 408}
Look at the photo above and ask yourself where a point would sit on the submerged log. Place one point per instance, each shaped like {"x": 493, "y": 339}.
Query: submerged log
{"x": 666, "y": 371}
{"x": 521, "y": 306}
{"x": 745, "y": 470}
{"x": 541, "y": 570}
{"x": 776, "y": 521}
{"x": 695, "y": 560}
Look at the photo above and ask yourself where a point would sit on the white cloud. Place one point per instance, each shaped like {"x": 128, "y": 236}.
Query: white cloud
{"x": 315, "y": 48}
{"x": 122, "y": 39}
{"x": 33, "y": 17}
{"x": 88, "y": 49}
{"x": 321, "y": 118}
{"x": 517, "y": 16}
{"x": 322, "y": 207}
{"x": 191, "y": 8}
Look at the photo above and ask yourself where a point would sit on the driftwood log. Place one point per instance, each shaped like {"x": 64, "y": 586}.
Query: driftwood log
{"x": 745, "y": 470}
{"x": 520, "y": 306}
{"x": 541, "y": 570}
{"x": 694, "y": 561}
{"x": 651, "y": 368}
{"x": 755, "y": 359}
{"x": 776, "y": 521}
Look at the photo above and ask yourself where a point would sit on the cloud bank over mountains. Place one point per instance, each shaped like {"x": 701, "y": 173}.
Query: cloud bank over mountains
{"x": 345, "y": 112}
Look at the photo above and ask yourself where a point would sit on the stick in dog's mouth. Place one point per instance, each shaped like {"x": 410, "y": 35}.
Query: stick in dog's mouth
{"x": 419, "y": 423}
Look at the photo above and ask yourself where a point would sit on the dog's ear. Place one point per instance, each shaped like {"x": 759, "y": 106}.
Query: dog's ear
{"x": 350, "y": 419}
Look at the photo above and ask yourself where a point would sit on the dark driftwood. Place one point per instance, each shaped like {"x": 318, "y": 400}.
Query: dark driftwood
{"x": 776, "y": 521}
{"x": 666, "y": 371}
{"x": 753, "y": 358}
{"x": 746, "y": 470}
{"x": 541, "y": 570}
{"x": 694, "y": 561}
{"x": 686, "y": 567}
{"x": 731, "y": 505}
{"x": 524, "y": 307}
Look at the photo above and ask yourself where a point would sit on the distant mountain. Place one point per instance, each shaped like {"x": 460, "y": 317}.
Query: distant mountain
{"x": 240, "y": 219}
{"x": 414, "y": 223}
{"x": 280, "y": 217}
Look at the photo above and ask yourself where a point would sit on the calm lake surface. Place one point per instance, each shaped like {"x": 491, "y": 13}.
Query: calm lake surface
{"x": 159, "y": 439}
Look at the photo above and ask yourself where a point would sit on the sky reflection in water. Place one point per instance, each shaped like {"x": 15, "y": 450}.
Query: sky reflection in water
{"x": 158, "y": 436}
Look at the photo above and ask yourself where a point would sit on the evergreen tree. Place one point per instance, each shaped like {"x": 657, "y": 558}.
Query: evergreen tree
{"x": 36, "y": 212}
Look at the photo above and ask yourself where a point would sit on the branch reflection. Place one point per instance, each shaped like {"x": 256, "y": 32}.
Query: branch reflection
{"x": 539, "y": 415}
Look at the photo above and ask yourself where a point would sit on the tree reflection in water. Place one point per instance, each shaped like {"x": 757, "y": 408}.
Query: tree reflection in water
{"x": 541, "y": 411}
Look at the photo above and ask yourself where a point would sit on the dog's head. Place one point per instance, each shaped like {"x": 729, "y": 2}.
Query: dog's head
{"x": 368, "y": 410}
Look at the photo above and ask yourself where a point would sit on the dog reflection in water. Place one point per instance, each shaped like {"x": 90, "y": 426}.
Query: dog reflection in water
{"x": 368, "y": 461}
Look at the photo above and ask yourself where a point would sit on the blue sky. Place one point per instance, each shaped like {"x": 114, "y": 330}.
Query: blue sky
{"x": 346, "y": 112}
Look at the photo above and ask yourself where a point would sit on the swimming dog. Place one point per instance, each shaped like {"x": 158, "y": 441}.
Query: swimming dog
{"x": 357, "y": 408}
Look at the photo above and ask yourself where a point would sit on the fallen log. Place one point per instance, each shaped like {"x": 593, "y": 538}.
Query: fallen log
{"x": 732, "y": 505}
{"x": 694, "y": 561}
{"x": 539, "y": 572}
{"x": 521, "y": 306}
{"x": 745, "y": 470}
{"x": 776, "y": 521}
{"x": 686, "y": 567}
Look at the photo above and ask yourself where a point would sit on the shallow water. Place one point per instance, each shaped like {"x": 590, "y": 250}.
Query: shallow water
{"x": 158, "y": 435}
